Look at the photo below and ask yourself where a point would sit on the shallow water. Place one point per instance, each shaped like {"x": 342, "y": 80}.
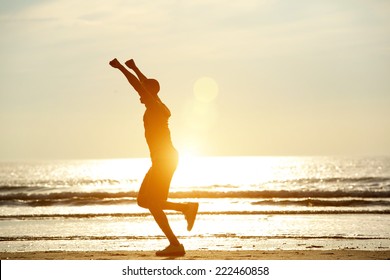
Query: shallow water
{"x": 218, "y": 232}
{"x": 245, "y": 203}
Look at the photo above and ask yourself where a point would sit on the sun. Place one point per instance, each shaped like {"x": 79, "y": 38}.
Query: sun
{"x": 189, "y": 158}
{"x": 188, "y": 152}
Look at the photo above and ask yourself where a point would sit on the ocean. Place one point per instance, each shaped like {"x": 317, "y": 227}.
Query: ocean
{"x": 251, "y": 203}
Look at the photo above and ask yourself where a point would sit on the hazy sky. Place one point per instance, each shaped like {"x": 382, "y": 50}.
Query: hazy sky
{"x": 240, "y": 77}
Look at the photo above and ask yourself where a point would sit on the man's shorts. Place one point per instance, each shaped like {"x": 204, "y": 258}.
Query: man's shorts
{"x": 155, "y": 186}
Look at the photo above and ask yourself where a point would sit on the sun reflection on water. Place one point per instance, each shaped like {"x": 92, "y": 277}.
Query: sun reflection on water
{"x": 236, "y": 171}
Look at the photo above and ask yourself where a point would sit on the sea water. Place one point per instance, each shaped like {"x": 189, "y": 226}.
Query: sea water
{"x": 260, "y": 203}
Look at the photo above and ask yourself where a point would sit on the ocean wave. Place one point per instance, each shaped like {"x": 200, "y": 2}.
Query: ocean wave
{"x": 157, "y": 237}
{"x": 39, "y": 184}
{"x": 211, "y": 213}
{"x": 67, "y": 198}
{"x": 310, "y": 202}
{"x": 283, "y": 194}
{"x": 332, "y": 180}
{"x": 302, "y": 197}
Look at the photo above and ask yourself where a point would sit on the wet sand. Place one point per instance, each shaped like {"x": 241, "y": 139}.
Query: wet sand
{"x": 202, "y": 255}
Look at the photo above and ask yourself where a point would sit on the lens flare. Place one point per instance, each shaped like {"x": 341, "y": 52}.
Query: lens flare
{"x": 205, "y": 89}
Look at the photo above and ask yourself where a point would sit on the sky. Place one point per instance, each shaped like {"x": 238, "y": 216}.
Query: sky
{"x": 241, "y": 78}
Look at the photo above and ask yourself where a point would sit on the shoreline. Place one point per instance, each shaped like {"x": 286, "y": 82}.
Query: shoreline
{"x": 202, "y": 255}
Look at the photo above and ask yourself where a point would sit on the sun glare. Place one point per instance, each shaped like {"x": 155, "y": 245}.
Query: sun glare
{"x": 188, "y": 152}
{"x": 205, "y": 89}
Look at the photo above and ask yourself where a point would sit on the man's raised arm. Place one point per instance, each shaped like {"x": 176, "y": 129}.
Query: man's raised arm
{"x": 130, "y": 77}
{"x": 131, "y": 64}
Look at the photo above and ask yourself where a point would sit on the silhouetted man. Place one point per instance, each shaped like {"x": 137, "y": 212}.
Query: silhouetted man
{"x": 154, "y": 190}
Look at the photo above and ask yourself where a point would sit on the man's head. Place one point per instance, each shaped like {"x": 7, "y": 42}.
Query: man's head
{"x": 152, "y": 86}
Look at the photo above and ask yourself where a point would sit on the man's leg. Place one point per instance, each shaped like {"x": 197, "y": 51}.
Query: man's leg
{"x": 162, "y": 221}
{"x": 179, "y": 207}
{"x": 190, "y": 210}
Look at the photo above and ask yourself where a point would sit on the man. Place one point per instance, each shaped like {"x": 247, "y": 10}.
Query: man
{"x": 154, "y": 190}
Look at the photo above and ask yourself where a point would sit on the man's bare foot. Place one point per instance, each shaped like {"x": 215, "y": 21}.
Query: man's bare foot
{"x": 115, "y": 63}
{"x": 130, "y": 63}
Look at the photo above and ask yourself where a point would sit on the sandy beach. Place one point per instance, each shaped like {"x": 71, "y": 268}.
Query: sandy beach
{"x": 202, "y": 255}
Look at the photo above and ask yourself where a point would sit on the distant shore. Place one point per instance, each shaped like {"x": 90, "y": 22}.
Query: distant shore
{"x": 202, "y": 255}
